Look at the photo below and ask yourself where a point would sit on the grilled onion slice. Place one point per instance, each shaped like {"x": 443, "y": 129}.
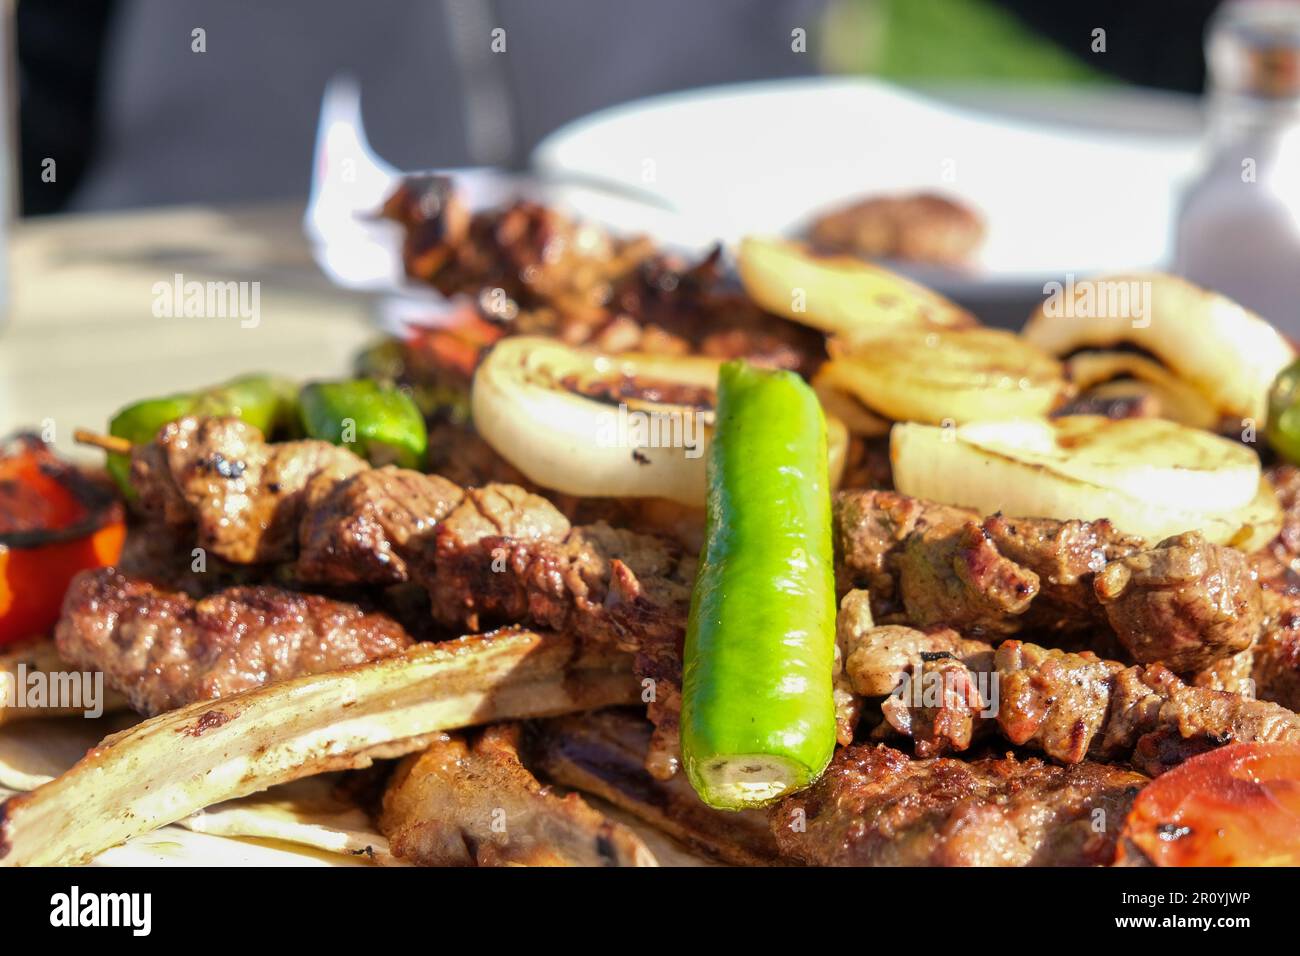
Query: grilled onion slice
{"x": 596, "y": 425}
{"x": 1226, "y": 353}
{"x": 1150, "y": 477}
{"x": 844, "y": 405}
{"x": 956, "y": 375}
{"x": 838, "y": 293}
{"x": 1095, "y": 371}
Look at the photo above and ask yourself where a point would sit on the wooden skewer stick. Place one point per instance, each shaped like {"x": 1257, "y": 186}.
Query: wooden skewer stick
{"x": 110, "y": 443}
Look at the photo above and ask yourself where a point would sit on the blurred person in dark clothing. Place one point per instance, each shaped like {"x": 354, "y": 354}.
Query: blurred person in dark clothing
{"x": 119, "y": 96}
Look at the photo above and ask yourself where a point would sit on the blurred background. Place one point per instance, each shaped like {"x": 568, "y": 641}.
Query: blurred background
{"x": 161, "y": 137}
{"x": 119, "y": 94}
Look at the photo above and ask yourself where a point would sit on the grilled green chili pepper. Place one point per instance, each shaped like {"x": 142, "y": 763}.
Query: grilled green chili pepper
{"x": 758, "y": 718}
{"x": 383, "y": 423}
{"x": 266, "y": 402}
{"x": 1283, "y": 429}
{"x": 261, "y": 400}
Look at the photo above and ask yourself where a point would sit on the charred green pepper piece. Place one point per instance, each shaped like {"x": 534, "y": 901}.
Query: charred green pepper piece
{"x": 265, "y": 401}
{"x": 758, "y": 719}
{"x": 381, "y": 423}
{"x": 1283, "y": 429}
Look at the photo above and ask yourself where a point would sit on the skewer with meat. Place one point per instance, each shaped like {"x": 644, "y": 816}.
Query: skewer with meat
{"x": 1070, "y": 706}
{"x": 537, "y": 271}
{"x": 1185, "y": 602}
{"x": 501, "y": 554}
{"x": 320, "y": 516}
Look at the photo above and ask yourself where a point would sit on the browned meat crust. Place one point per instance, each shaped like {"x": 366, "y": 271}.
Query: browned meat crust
{"x": 244, "y": 496}
{"x": 496, "y": 554}
{"x": 1184, "y": 602}
{"x": 501, "y": 555}
{"x": 876, "y": 807}
{"x": 604, "y": 754}
{"x": 469, "y": 801}
{"x": 1074, "y": 706}
{"x": 922, "y": 227}
{"x": 537, "y": 271}
{"x": 1270, "y": 668}
{"x": 373, "y": 527}
{"x": 163, "y": 649}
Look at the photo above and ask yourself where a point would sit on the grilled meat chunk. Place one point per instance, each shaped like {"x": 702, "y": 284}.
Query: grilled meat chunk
{"x": 876, "y": 807}
{"x": 939, "y": 707}
{"x": 921, "y": 227}
{"x": 953, "y": 572}
{"x": 496, "y": 554}
{"x": 537, "y": 271}
{"x": 1185, "y": 601}
{"x": 1275, "y": 661}
{"x": 604, "y": 754}
{"x": 933, "y": 696}
{"x": 1073, "y": 706}
{"x": 1270, "y": 668}
{"x": 163, "y": 649}
{"x": 373, "y": 527}
{"x": 244, "y": 496}
{"x": 506, "y": 555}
{"x": 472, "y": 802}
{"x": 851, "y": 621}
{"x": 879, "y": 658}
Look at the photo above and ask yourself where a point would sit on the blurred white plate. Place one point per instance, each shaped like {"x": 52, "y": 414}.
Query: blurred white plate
{"x": 764, "y": 157}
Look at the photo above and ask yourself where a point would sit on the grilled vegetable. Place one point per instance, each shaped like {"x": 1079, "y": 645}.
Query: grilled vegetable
{"x": 1237, "y": 805}
{"x": 838, "y": 293}
{"x": 140, "y": 779}
{"x": 1227, "y": 354}
{"x": 758, "y": 719}
{"x": 1097, "y": 373}
{"x": 54, "y": 522}
{"x": 587, "y": 423}
{"x": 382, "y": 422}
{"x": 1150, "y": 477}
{"x": 266, "y": 401}
{"x": 956, "y": 375}
{"x": 1283, "y": 431}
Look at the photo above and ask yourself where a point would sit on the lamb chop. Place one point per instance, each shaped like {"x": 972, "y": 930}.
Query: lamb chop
{"x": 468, "y": 800}
{"x": 604, "y": 754}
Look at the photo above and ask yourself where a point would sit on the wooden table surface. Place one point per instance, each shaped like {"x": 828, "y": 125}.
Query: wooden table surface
{"x": 81, "y": 338}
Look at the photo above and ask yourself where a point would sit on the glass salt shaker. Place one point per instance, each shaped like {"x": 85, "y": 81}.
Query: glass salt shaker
{"x": 1238, "y": 227}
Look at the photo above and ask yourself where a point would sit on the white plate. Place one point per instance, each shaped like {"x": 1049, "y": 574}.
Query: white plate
{"x": 763, "y": 157}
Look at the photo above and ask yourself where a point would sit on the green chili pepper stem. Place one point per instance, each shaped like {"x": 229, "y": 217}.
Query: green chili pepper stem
{"x": 758, "y": 716}
{"x": 383, "y": 424}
